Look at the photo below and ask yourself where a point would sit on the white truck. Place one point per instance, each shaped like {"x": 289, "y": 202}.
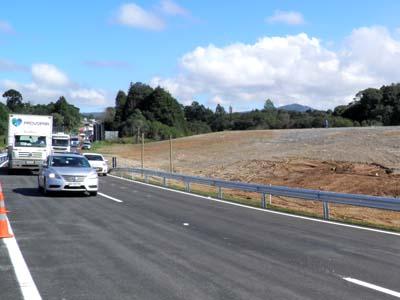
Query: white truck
{"x": 29, "y": 141}
{"x": 60, "y": 142}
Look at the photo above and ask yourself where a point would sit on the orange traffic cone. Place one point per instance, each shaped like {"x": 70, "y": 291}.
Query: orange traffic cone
{"x": 4, "y": 232}
{"x": 2, "y": 204}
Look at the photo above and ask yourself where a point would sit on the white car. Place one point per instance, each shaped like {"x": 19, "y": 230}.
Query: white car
{"x": 64, "y": 172}
{"x": 86, "y": 145}
{"x": 97, "y": 162}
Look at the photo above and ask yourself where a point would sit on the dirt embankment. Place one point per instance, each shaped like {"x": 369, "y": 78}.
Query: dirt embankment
{"x": 352, "y": 160}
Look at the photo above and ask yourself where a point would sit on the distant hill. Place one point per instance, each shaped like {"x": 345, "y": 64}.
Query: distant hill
{"x": 295, "y": 107}
{"x": 96, "y": 115}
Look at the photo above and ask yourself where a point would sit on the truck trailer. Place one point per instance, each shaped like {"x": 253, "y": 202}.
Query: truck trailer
{"x": 29, "y": 141}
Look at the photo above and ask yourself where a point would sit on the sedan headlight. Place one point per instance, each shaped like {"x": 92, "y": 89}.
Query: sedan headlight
{"x": 92, "y": 175}
{"x": 54, "y": 175}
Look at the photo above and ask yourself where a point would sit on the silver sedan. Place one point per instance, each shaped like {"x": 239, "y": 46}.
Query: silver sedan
{"x": 67, "y": 172}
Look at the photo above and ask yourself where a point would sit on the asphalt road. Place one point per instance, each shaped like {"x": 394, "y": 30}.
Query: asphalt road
{"x": 159, "y": 244}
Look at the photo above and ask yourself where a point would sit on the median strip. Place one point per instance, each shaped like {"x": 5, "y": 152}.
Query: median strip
{"x": 111, "y": 198}
{"x": 373, "y": 286}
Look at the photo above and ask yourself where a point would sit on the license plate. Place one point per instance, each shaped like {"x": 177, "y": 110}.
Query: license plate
{"x": 74, "y": 184}
{"x": 30, "y": 162}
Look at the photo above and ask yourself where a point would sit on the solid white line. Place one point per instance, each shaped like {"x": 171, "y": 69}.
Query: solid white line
{"x": 260, "y": 209}
{"x": 24, "y": 278}
{"x": 111, "y": 198}
{"x": 373, "y": 286}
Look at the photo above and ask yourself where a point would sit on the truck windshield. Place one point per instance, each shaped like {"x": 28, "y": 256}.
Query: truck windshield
{"x": 59, "y": 142}
{"x": 30, "y": 141}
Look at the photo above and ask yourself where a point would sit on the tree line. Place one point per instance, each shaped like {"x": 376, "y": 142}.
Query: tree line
{"x": 154, "y": 112}
{"x": 66, "y": 117}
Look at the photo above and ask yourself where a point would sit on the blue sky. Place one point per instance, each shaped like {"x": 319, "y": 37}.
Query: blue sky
{"x": 234, "y": 53}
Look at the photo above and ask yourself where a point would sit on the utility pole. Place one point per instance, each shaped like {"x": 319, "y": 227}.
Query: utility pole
{"x": 142, "y": 150}
{"x": 171, "y": 170}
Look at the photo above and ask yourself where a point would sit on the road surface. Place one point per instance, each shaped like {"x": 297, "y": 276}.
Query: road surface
{"x": 160, "y": 244}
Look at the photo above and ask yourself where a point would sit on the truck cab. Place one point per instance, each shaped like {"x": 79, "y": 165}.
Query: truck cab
{"x": 29, "y": 141}
{"x": 60, "y": 142}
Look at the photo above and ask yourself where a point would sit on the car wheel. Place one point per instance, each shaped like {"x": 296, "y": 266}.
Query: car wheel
{"x": 104, "y": 174}
{"x": 40, "y": 188}
{"x": 45, "y": 191}
{"x": 93, "y": 193}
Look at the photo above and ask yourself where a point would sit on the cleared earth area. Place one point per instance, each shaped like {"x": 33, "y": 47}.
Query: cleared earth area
{"x": 351, "y": 160}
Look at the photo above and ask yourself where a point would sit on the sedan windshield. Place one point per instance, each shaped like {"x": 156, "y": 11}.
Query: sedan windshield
{"x": 94, "y": 157}
{"x": 70, "y": 161}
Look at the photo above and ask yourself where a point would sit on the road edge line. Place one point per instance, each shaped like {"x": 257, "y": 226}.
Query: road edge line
{"x": 26, "y": 284}
{"x": 372, "y": 286}
{"x": 260, "y": 209}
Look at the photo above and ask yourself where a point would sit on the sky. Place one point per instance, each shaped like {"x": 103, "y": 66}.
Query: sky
{"x": 233, "y": 53}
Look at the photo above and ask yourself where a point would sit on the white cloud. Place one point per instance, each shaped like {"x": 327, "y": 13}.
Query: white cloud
{"x": 286, "y": 17}
{"x": 92, "y": 96}
{"x": 294, "y": 68}
{"x": 6, "y": 27}
{"x": 49, "y": 83}
{"x": 49, "y": 75}
{"x": 169, "y": 7}
{"x": 133, "y": 15}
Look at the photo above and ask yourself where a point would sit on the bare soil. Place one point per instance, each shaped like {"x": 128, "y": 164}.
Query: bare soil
{"x": 350, "y": 160}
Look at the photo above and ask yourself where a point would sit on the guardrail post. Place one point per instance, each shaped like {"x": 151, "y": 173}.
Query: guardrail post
{"x": 263, "y": 200}
{"x": 220, "y": 192}
{"x": 270, "y": 197}
{"x": 146, "y": 178}
{"x": 325, "y": 206}
{"x": 165, "y": 181}
{"x": 187, "y": 188}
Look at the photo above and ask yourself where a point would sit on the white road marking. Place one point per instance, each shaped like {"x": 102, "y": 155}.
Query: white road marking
{"x": 185, "y": 224}
{"x": 260, "y": 209}
{"x": 3, "y": 164}
{"x": 372, "y": 286}
{"x": 24, "y": 278}
{"x": 111, "y": 198}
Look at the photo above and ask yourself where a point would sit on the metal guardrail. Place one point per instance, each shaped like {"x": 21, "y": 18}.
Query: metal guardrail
{"x": 387, "y": 203}
{"x": 3, "y": 157}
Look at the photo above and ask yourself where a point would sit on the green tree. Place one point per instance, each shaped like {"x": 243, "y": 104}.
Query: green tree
{"x": 269, "y": 105}
{"x": 198, "y": 112}
{"x": 137, "y": 95}
{"x": 120, "y": 102}
{"x": 58, "y": 122}
{"x": 109, "y": 118}
{"x": 70, "y": 113}
{"x": 162, "y": 107}
{"x": 13, "y": 100}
